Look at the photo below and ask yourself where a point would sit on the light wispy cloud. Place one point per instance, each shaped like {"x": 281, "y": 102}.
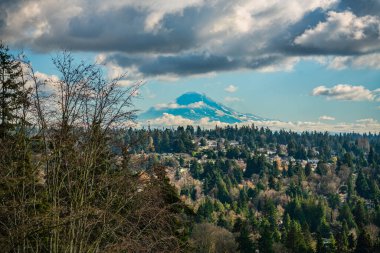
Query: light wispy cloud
{"x": 347, "y": 92}
{"x": 367, "y": 121}
{"x": 231, "y": 88}
{"x": 325, "y": 117}
{"x": 232, "y": 99}
{"x": 149, "y": 93}
{"x": 173, "y": 105}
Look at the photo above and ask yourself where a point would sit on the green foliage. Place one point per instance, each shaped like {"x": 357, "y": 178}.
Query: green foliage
{"x": 362, "y": 186}
{"x": 13, "y": 93}
{"x": 361, "y": 214}
{"x": 346, "y": 216}
{"x": 364, "y": 243}
{"x": 295, "y": 240}
{"x": 307, "y": 211}
{"x": 342, "y": 244}
{"x": 266, "y": 240}
{"x": 245, "y": 244}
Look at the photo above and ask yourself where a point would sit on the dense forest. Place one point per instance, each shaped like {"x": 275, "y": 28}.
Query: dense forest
{"x": 75, "y": 178}
{"x": 271, "y": 191}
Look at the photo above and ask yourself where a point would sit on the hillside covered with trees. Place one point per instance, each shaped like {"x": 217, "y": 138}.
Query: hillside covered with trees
{"x": 273, "y": 191}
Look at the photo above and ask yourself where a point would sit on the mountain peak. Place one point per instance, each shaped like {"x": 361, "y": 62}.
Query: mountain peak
{"x": 195, "y": 106}
{"x": 190, "y": 98}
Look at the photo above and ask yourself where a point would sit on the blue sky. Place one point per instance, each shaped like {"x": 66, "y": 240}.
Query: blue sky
{"x": 298, "y": 61}
{"x": 285, "y": 96}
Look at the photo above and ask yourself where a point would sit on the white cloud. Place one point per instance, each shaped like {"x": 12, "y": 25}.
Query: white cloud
{"x": 168, "y": 106}
{"x": 325, "y": 117}
{"x": 360, "y": 126}
{"x": 346, "y": 92}
{"x": 127, "y": 75}
{"x": 358, "y": 62}
{"x": 205, "y": 122}
{"x": 232, "y": 99}
{"x": 343, "y": 31}
{"x": 48, "y": 83}
{"x": 231, "y": 88}
{"x": 45, "y": 77}
{"x": 170, "y": 120}
{"x": 173, "y": 105}
{"x": 286, "y": 64}
{"x": 367, "y": 121}
{"x": 199, "y": 104}
{"x": 220, "y": 113}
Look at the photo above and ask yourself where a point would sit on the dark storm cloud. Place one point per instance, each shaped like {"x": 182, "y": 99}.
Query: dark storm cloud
{"x": 195, "y": 36}
{"x": 6, "y": 8}
{"x": 123, "y": 30}
{"x": 188, "y": 64}
{"x": 177, "y": 65}
{"x": 125, "y": 60}
{"x": 191, "y": 64}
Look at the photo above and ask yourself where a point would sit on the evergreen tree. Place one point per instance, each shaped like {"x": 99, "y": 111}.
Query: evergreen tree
{"x": 324, "y": 228}
{"x": 371, "y": 156}
{"x": 196, "y": 169}
{"x": 374, "y": 192}
{"x": 361, "y": 214}
{"x": 320, "y": 246}
{"x": 342, "y": 240}
{"x": 243, "y": 200}
{"x": 13, "y": 93}
{"x": 286, "y": 227}
{"x": 350, "y": 187}
{"x": 362, "y": 186}
{"x": 179, "y": 146}
{"x": 332, "y": 244}
{"x": 244, "y": 240}
{"x": 351, "y": 242}
{"x": 364, "y": 243}
{"x": 266, "y": 237}
{"x": 308, "y": 169}
{"x": 295, "y": 239}
{"x": 345, "y": 215}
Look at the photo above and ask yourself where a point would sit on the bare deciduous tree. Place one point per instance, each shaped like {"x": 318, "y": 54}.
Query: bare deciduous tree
{"x": 82, "y": 197}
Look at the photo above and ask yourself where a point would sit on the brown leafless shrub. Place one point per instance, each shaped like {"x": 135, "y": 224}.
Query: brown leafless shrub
{"x": 90, "y": 200}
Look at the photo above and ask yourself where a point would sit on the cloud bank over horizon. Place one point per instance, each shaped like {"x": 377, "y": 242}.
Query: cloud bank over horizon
{"x": 183, "y": 38}
{"x": 360, "y": 126}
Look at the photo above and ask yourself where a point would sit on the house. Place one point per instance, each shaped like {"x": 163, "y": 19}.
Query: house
{"x": 212, "y": 144}
{"x": 234, "y": 143}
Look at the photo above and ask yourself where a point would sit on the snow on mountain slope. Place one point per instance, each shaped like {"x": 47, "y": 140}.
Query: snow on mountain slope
{"x": 194, "y": 106}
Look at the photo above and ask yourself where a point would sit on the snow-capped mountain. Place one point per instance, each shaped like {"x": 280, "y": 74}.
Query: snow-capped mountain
{"x": 195, "y": 107}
